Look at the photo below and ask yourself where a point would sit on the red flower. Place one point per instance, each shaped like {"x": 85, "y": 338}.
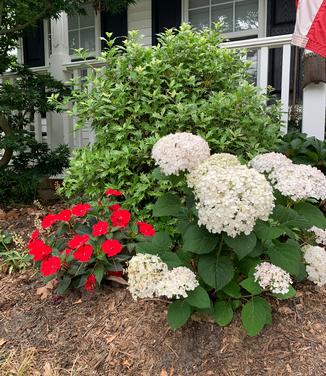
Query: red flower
{"x": 39, "y": 250}
{"x": 111, "y": 247}
{"x": 114, "y": 207}
{"x": 35, "y": 235}
{"x": 48, "y": 220}
{"x": 120, "y": 218}
{"x": 50, "y": 266}
{"x": 80, "y": 210}
{"x": 84, "y": 253}
{"x": 90, "y": 283}
{"x": 100, "y": 228}
{"x": 112, "y": 192}
{"x": 145, "y": 229}
{"x": 64, "y": 215}
{"x": 67, "y": 252}
{"x": 78, "y": 240}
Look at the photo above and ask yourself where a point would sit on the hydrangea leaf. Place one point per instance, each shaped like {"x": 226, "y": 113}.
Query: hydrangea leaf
{"x": 251, "y": 286}
{"x": 311, "y": 213}
{"x": 242, "y": 244}
{"x": 198, "y": 240}
{"x": 289, "y": 217}
{"x": 198, "y": 298}
{"x": 178, "y": 314}
{"x": 161, "y": 241}
{"x": 232, "y": 289}
{"x": 255, "y": 315}
{"x": 291, "y": 294}
{"x": 167, "y": 205}
{"x": 287, "y": 256}
{"x": 216, "y": 272}
{"x": 265, "y": 231}
{"x": 223, "y": 313}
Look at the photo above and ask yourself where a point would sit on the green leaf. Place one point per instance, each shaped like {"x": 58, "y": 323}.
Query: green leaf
{"x": 83, "y": 229}
{"x": 232, "y": 289}
{"x": 251, "y": 286}
{"x": 222, "y": 313}
{"x": 161, "y": 241}
{"x": 198, "y": 298}
{"x": 99, "y": 273}
{"x": 311, "y": 213}
{"x": 178, "y": 314}
{"x": 291, "y": 294}
{"x": 171, "y": 259}
{"x": 287, "y": 256}
{"x": 265, "y": 231}
{"x": 242, "y": 244}
{"x": 167, "y": 205}
{"x": 255, "y": 315}
{"x": 198, "y": 240}
{"x": 63, "y": 285}
{"x": 289, "y": 218}
{"x": 216, "y": 272}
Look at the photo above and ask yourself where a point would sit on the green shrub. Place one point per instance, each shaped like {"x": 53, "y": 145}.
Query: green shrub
{"x": 31, "y": 161}
{"x": 303, "y": 149}
{"x": 186, "y": 83}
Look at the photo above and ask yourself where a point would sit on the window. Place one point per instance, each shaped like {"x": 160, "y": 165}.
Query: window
{"x": 82, "y": 31}
{"x": 238, "y": 16}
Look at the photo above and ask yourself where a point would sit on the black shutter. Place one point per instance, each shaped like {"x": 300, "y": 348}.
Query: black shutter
{"x": 114, "y": 23}
{"x": 166, "y": 14}
{"x": 33, "y": 46}
{"x": 281, "y": 15}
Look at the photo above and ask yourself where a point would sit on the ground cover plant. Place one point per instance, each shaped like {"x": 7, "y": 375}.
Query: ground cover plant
{"x": 245, "y": 232}
{"x": 142, "y": 94}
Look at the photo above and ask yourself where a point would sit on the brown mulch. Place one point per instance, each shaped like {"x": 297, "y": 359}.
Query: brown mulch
{"x": 109, "y": 334}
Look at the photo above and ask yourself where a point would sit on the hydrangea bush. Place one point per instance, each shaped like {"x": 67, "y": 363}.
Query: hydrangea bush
{"x": 245, "y": 232}
{"x": 82, "y": 245}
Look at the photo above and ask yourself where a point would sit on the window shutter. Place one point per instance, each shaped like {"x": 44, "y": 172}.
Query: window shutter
{"x": 33, "y": 46}
{"x": 281, "y": 15}
{"x": 166, "y": 14}
{"x": 114, "y": 23}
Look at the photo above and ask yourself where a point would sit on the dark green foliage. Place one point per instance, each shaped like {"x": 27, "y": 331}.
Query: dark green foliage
{"x": 303, "y": 149}
{"x": 187, "y": 83}
{"x": 32, "y": 160}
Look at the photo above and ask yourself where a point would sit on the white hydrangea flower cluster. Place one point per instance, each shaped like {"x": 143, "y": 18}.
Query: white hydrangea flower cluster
{"x": 272, "y": 277}
{"x": 180, "y": 152}
{"x": 315, "y": 258}
{"x": 320, "y": 235}
{"x": 297, "y": 181}
{"x": 149, "y": 277}
{"x": 232, "y": 199}
{"x": 221, "y": 160}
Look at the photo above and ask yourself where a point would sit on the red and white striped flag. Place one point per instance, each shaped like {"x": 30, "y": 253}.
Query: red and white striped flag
{"x": 310, "y": 27}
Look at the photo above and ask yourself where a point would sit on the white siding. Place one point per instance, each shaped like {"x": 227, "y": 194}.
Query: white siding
{"x": 140, "y": 18}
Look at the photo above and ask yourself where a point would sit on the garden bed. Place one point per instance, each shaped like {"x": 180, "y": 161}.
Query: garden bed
{"x": 107, "y": 333}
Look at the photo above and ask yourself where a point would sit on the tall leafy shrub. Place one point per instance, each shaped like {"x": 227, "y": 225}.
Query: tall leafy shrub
{"x": 186, "y": 83}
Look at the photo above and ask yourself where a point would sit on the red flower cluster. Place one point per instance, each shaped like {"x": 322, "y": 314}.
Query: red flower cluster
{"x": 50, "y": 266}
{"x": 41, "y": 252}
{"x": 83, "y": 253}
{"x": 145, "y": 229}
{"x": 114, "y": 207}
{"x": 80, "y": 210}
{"x": 78, "y": 240}
{"x": 120, "y": 218}
{"x": 111, "y": 247}
{"x": 100, "y": 228}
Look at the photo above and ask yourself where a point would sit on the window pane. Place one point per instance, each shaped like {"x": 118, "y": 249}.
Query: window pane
{"x": 246, "y": 15}
{"x": 198, "y": 3}
{"x": 88, "y": 19}
{"x": 223, "y": 13}
{"x": 72, "y": 22}
{"x": 199, "y": 18}
{"x": 73, "y": 41}
{"x": 214, "y": 2}
{"x": 87, "y": 39}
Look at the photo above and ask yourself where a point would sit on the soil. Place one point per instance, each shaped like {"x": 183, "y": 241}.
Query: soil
{"x": 107, "y": 333}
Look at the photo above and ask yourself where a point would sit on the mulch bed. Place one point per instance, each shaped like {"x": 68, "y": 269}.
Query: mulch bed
{"x": 107, "y": 333}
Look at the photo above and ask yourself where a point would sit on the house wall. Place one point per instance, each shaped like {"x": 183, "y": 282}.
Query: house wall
{"x": 140, "y": 18}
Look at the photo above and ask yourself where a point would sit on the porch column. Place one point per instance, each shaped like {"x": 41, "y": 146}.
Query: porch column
{"x": 60, "y": 129}
{"x": 314, "y": 96}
